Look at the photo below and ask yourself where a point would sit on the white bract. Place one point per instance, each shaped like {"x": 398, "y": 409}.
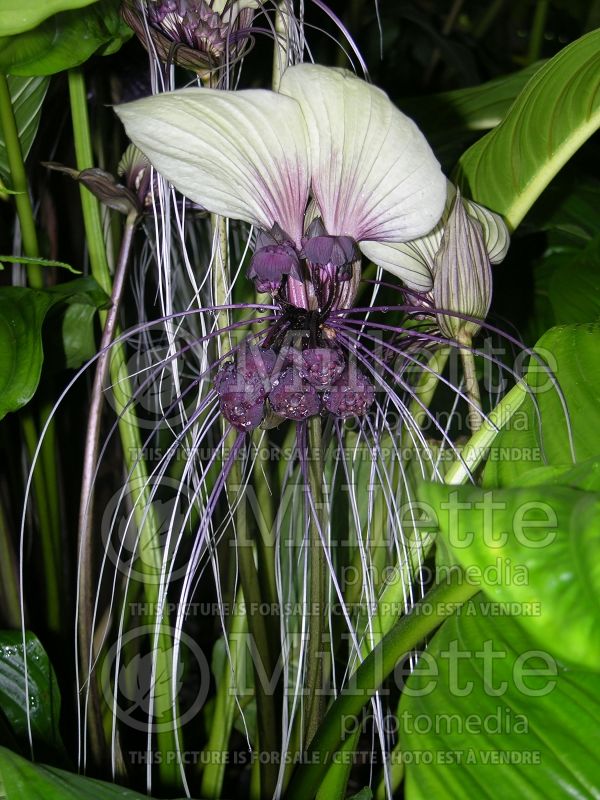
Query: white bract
{"x": 259, "y": 156}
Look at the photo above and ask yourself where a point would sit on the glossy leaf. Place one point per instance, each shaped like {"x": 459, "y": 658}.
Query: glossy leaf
{"x": 21, "y": 15}
{"x": 554, "y": 115}
{"x": 43, "y": 695}
{"x": 551, "y": 436}
{"x": 22, "y": 780}
{"x": 489, "y": 715}
{"x": 65, "y": 40}
{"x": 537, "y": 549}
{"x": 27, "y": 95}
{"x": 22, "y": 315}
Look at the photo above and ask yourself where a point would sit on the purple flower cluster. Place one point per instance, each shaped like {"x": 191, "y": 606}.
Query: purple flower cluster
{"x": 293, "y": 384}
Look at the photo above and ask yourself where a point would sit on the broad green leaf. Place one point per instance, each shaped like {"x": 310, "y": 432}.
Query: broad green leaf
{"x": 78, "y": 336}
{"x": 65, "y": 40}
{"x": 551, "y": 436}
{"x": 554, "y": 115}
{"x": 21, "y": 15}
{"x": 27, "y": 95}
{"x": 44, "y": 697}
{"x": 536, "y": 549}
{"x": 487, "y": 714}
{"x": 22, "y": 315}
{"x": 22, "y": 780}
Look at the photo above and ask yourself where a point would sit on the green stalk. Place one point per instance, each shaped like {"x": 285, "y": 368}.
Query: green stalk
{"x": 18, "y": 176}
{"x": 261, "y": 650}
{"x": 143, "y": 510}
{"x": 45, "y": 478}
{"x": 49, "y": 551}
{"x": 9, "y": 582}
{"x": 474, "y": 414}
{"x": 317, "y": 596}
{"x": 427, "y": 385}
{"x": 537, "y": 31}
{"x": 487, "y": 19}
{"x": 476, "y": 448}
{"x": 406, "y": 634}
{"x": 225, "y": 705}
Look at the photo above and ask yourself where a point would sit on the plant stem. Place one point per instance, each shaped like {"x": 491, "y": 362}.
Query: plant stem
{"x": 45, "y": 484}
{"x": 19, "y": 183}
{"x": 264, "y": 666}
{"x": 537, "y": 31}
{"x": 225, "y": 704}
{"x": 9, "y": 581}
{"x": 315, "y": 665}
{"x": 85, "y": 159}
{"x": 90, "y": 458}
{"x": 406, "y": 634}
{"x": 143, "y": 509}
{"x": 474, "y": 414}
{"x": 476, "y": 448}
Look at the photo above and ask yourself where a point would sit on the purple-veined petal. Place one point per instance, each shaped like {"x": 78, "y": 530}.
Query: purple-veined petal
{"x": 240, "y": 154}
{"x": 373, "y": 174}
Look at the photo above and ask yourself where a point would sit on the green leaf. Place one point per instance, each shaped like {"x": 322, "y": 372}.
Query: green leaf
{"x": 554, "y": 115}
{"x": 489, "y": 715}
{"x": 573, "y": 354}
{"x": 21, "y": 15}
{"x": 22, "y": 315}
{"x": 79, "y": 341}
{"x": 22, "y": 780}
{"x": 41, "y": 262}
{"x": 44, "y": 697}
{"x": 535, "y": 549}
{"x": 65, "y": 40}
{"x": 27, "y": 95}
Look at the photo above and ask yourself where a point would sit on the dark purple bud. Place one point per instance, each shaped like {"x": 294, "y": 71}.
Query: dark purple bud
{"x": 294, "y": 398}
{"x": 256, "y": 364}
{"x": 351, "y": 396}
{"x": 242, "y": 386}
{"x": 240, "y": 411}
{"x": 334, "y": 251}
{"x": 333, "y": 254}
{"x": 322, "y": 366}
{"x": 270, "y": 264}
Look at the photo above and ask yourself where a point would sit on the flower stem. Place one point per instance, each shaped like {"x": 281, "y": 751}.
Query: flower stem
{"x": 92, "y": 440}
{"x": 474, "y": 414}
{"x": 315, "y": 666}
{"x": 406, "y": 634}
{"x": 9, "y": 581}
{"x": 46, "y": 483}
{"x": 143, "y": 510}
{"x": 264, "y": 666}
{"x": 18, "y": 176}
{"x": 537, "y": 31}
{"x": 476, "y": 448}
{"x": 225, "y": 704}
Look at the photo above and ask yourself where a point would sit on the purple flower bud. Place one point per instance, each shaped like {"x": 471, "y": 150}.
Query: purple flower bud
{"x": 321, "y": 366}
{"x": 351, "y": 396}
{"x": 196, "y": 34}
{"x": 335, "y": 254}
{"x": 269, "y": 265}
{"x": 242, "y": 412}
{"x": 294, "y": 398}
